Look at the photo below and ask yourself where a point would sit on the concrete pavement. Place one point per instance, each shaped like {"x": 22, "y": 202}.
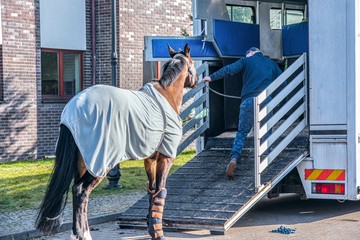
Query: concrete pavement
{"x": 312, "y": 219}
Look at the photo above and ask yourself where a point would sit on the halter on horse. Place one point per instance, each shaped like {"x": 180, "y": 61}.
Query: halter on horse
{"x": 73, "y": 161}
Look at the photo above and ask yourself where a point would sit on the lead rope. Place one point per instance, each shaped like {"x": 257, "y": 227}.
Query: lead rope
{"x": 221, "y": 94}
{"x": 218, "y": 93}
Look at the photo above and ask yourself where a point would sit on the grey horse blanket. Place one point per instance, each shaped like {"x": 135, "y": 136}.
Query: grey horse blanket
{"x": 111, "y": 124}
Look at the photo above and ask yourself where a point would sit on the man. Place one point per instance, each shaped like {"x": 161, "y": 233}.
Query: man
{"x": 113, "y": 177}
{"x": 257, "y": 73}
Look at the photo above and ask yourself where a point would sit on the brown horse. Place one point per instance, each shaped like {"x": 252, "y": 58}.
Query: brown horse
{"x": 90, "y": 139}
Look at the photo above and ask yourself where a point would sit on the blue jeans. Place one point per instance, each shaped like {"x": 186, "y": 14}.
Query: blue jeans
{"x": 246, "y": 122}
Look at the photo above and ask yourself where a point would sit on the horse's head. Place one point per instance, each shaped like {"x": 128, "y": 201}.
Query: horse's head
{"x": 191, "y": 78}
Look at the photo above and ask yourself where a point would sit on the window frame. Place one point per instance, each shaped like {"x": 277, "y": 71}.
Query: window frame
{"x": 61, "y": 92}
{"x": 284, "y": 16}
{"x": 281, "y": 18}
{"x": 243, "y": 6}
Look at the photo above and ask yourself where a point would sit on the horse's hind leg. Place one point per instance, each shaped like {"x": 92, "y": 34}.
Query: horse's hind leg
{"x": 84, "y": 183}
{"x": 157, "y": 170}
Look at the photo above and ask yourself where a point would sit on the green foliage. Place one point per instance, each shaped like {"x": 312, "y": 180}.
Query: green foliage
{"x": 183, "y": 30}
{"x": 23, "y": 184}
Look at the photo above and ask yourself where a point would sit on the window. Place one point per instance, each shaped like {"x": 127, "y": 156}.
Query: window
{"x": 241, "y": 14}
{"x": 61, "y": 73}
{"x": 291, "y": 17}
{"x": 275, "y": 18}
{"x": 294, "y": 16}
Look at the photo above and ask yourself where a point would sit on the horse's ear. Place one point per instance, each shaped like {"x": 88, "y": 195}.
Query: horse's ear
{"x": 187, "y": 50}
{"x": 171, "y": 51}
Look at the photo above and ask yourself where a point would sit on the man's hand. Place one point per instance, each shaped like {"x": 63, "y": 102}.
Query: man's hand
{"x": 206, "y": 79}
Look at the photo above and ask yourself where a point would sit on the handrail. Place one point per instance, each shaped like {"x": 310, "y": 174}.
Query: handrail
{"x": 281, "y": 107}
{"x": 195, "y": 110}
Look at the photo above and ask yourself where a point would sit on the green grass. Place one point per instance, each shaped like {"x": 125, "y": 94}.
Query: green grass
{"x": 23, "y": 183}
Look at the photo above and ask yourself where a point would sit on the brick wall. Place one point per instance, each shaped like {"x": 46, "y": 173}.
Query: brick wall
{"x": 88, "y": 53}
{"x": 29, "y": 127}
{"x": 157, "y": 18}
{"x": 103, "y": 42}
{"x": 144, "y": 17}
{"x": 18, "y": 128}
{"x": 1, "y": 75}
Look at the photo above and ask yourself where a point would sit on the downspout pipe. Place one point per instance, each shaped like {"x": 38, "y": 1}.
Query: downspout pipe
{"x": 93, "y": 31}
{"x": 114, "y": 59}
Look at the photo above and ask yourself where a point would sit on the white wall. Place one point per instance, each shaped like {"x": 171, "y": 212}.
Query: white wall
{"x": 334, "y": 86}
{"x": 328, "y": 64}
{"x": 357, "y": 89}
{"x": 353, "y": 96}
{"x": 63, "y": 24}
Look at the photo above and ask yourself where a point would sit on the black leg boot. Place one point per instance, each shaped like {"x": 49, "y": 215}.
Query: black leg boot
{"x": 155, "y": 216}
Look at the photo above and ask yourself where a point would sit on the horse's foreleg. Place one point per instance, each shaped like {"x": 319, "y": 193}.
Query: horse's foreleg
{"x": 163, "y": 166}
{"x": 84, "y": 183}
{"x": 150, "y": 168}
{"x": 157, "y": 171}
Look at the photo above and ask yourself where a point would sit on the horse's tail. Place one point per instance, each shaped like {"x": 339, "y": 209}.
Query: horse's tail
{"x": 54, "y": 202}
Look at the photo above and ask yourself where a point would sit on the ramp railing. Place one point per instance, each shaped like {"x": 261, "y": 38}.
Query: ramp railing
{"x": 195, "y": 112}
{"x": 280, "y": 110}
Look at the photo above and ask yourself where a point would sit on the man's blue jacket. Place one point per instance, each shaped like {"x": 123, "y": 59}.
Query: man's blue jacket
{"x": 257, "y": 71}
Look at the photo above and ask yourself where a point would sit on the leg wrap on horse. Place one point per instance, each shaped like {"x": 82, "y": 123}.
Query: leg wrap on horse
{"x": 154, "y": 218}
{"x": 150, "y": 196}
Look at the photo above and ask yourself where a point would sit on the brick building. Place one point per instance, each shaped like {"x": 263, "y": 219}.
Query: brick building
{"x": 50, "y": 50}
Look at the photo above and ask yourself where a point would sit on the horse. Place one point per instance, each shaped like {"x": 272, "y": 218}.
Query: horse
{"x": 90, "y": 143}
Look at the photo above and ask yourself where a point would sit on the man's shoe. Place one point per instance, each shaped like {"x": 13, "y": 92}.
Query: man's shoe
{"x": 231, "y": 168}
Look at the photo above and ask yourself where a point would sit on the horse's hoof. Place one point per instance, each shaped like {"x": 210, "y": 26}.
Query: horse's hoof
{"x": 159, "y": 238}
{"x": 87, "y": 236}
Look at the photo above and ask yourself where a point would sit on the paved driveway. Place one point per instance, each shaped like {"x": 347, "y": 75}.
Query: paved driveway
{"x": 312, "y": 219}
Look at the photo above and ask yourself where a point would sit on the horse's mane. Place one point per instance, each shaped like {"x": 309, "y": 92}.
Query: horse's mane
{"x": 171, "y": 71}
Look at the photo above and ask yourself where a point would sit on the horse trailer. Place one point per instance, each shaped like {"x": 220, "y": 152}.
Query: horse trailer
{"x": 314, "y": 146}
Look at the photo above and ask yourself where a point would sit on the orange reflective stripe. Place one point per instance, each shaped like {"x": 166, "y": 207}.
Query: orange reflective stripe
{"x": 156, "y": 215}
{"x": 159, "y": 234}
{"x": 341, "y": 176}
{"x": 312, "y": 174}
{"x": 325, "y": 174}
{"x": 336, "y": 175}
{"x": 159, "y": 201}
{"x": 158, "y": 208}
{"x": 157, "y": 226}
